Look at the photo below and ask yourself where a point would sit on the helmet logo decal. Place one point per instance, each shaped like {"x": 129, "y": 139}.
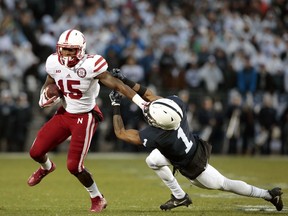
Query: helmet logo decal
{"x": 67, "y": 36}
{"x": 81, "y": 72}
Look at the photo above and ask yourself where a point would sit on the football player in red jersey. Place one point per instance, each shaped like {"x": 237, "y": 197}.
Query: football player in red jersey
{"x": 77, "y": 75}
{"x": 171, "y": 142}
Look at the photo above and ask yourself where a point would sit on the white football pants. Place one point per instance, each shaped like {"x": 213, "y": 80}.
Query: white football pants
{"x": 208, "y": 179}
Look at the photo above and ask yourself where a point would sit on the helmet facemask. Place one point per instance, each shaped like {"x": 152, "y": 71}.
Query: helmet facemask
{"x": 68, "y": 61}
{"x": 71, "y": 40}
{"x": 148, "y": 118}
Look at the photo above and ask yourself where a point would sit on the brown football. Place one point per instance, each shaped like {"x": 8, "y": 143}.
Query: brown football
{"x": 52, "y": 90}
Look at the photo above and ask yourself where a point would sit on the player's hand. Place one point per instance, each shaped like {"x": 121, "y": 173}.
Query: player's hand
{"x": 116, "y": 72}
{"x": 115, "y": 98}
{"x": 44, "y": 101}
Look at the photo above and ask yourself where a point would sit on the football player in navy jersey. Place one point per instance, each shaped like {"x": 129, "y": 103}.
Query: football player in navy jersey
{"x": 172, "y": 143}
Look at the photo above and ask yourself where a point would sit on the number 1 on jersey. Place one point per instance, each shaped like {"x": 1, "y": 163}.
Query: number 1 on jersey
{"x": 182, "y": 135}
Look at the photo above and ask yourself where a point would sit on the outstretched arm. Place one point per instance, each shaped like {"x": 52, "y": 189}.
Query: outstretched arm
{"x": 113, "y": 83}
{"x": 130, "y": 135}
{"x": 144, "y": 92}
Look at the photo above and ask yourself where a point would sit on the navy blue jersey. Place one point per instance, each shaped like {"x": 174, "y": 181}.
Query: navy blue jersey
{"x": 178, "y": 146}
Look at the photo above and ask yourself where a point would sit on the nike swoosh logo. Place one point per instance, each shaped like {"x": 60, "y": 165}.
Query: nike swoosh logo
{"x": 277, "y": 198}
{"x": 175, "y": 203}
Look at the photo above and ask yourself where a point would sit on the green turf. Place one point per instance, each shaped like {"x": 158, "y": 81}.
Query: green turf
{"x": 131, "y": 188}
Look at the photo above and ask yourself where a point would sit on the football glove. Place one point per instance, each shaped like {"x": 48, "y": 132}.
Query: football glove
{"x": 115, "y": 98}
{"x": 44, "y": 101}
{"x": 116, "y": 72}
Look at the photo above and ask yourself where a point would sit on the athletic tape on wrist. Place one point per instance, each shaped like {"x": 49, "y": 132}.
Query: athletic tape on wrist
{"x": 139, "y": 101}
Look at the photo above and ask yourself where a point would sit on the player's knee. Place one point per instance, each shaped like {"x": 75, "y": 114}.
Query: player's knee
{"x": 72, "y": 166}
{"x": 151, "y": 162}
{"x": 219, "y": 184}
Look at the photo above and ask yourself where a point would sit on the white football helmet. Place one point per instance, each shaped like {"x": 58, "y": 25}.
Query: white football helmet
{"x": 71, "y": 39}
{"x": 163, "y": 113}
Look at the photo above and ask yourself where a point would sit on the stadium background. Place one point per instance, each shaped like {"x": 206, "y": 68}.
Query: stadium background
{"x": 227, "y": 59}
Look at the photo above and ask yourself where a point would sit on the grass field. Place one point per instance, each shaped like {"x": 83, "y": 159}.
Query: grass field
{"x": 131, "y": 188}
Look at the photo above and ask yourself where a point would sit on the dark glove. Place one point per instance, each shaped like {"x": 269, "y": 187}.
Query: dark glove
{"x": 116, "y": 72}
{"x": 115, "y": 98}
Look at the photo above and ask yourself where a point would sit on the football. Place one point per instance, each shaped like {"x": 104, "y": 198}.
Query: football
{"x": 52, "y": 90}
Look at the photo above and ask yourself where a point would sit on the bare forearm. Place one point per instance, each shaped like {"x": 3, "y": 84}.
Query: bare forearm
{"x": 117, "y": 121}
{"x": 131, "y": 135}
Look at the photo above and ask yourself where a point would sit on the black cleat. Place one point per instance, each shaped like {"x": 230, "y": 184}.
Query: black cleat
{"x": 276, "y": 198}
{"x": 173, "y": 202}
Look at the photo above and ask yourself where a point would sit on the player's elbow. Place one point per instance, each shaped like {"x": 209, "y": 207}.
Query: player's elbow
{"x": 120, "y": 134}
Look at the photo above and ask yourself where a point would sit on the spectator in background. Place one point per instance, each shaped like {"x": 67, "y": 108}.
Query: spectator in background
{"x": 284, "y": 129}
{"x": 232, "y": 115}
{"x": 167, "y": 64}
{"x": 12, "y": 74}
{"x": 147, "y": 61}
{"x": 203, "y": 55}
{"x": 217, "y": 136}
{"x": 247, "y": 78}
{"x": 267, "y": 118}
{"x": 265, "y": 82}
{"x": 221, "y": 59}
{"x": 211, "y": 75}
{"x": 275, "y": 68}
{"x": 23, "y": 118}
{"x": 286, "y": 77}
{"x": 7, "y": 120}
{"x": 247, "y": 128}
{"x": 205, "y": 117}
{"x": 192, "y": 77}
{"x": 210, "y": 118}
{"x": 133, "y": 70}
{"x": 238, "y": 61}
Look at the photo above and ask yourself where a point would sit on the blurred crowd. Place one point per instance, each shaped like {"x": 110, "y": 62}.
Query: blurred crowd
{"x": 227, "y": 59}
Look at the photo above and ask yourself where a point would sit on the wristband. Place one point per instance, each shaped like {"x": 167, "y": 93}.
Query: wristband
{"x": 128, "y": 82}
{"x": 116, "y": 110}
{"x": 142, "y": 90}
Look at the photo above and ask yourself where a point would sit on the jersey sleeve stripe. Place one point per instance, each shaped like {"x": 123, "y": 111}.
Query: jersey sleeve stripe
{"x": 102, "y": 65}
{"x": 98, "y": 61}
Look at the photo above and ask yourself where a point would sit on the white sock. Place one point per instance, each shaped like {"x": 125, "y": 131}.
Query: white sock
{"x": 170, "y": 181}
{"x": 93, "y": 191}
{"x": 242, "y": 188}
{"x": 258, "y": 192}
{"x": 46, "y": 165}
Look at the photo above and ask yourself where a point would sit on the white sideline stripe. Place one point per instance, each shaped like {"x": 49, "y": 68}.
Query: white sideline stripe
{"x": 260, "y": 208}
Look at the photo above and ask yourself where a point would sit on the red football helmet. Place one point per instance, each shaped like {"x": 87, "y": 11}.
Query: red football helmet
{"x": 71, "y": 39}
